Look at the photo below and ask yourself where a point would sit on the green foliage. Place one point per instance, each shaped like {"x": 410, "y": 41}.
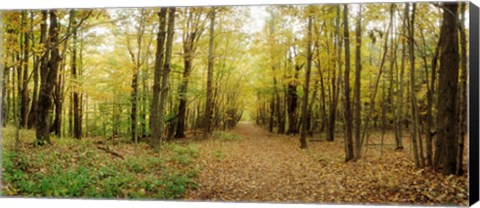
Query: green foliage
{"x": 227, "y": 136}
{"x": 183, "y": 155}
{"x": 218, "y": 154}
{"x": 72, "y": 170}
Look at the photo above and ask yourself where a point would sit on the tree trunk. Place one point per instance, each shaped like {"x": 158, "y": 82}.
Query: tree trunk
{"x": 191, "y": 35}
{"x": 48, "y": 75}
{"x": 335, "y": 82}
{"x": 399, "y": 110}
{"x": 4, "y": 115}
{"x": 25, "y": 100}
{"x": 32, "y": 116}
{"x": 463, "y": 93}
{"x": 292, "y": 103}
{"x": 413, "y": 100}
{"x": 166, "y": 72}
{"x": 77, "y": 116}
{"x": 159, "y": 57}
{"x": 303, "y": 130}
{"x": 348, "y": 111}
{"x": 447, "y": 143}
{"x": 356, "y": 96}
{"x": 208, "y": 105}
{"x": 58, "y": 101}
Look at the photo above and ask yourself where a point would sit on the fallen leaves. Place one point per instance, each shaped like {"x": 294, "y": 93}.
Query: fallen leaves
{"x": 271, "y": 168}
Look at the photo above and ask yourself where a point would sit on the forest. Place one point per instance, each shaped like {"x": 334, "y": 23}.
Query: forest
{"x": 319, "y": 103}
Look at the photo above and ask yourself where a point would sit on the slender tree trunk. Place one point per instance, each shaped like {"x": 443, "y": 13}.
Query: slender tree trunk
{"x": 271, "y": 119}
{"x": 335, "y": 82}
{"x": 166, "y": 70}
{"x": 159, "y": 57}
{"x": 136, "y": 71}
{"x": 77, "y": 116}
{"x": 32, "y": 116}
{"x": 430, "y": 124}
{"x": 4, "y": 115}
{"x": 303, "y": 130}
{"x": 399, "y": 110}
{"x": 191, "y": 34}
{"x": 463, "y": 92}
{"x": 208, "y": 105}
{"x": 25, "y": 100}
{"x": 348, "y": 111}
{"x": 413, "y": 100}
{"x": 4, "y": 99}
{"x": 358, "y": 68}
{"x": 58, "y": 101}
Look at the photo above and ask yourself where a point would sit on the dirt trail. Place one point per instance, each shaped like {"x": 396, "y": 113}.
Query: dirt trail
{"x": 262, "y": 167}
{"x": 270, "y": 167}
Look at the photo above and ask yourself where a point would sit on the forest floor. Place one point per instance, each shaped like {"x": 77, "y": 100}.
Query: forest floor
{"x": 258, "y": 166}
{"x": 246, "y": 164}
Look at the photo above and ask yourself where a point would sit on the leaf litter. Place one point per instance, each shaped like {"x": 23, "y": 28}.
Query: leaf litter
{"x": 268, "y": 167}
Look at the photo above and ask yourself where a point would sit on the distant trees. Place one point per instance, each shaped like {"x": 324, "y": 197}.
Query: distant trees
{"x": 407, "y": 102}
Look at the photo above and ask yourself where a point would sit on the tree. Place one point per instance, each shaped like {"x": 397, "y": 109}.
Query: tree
{"x": 157, "y": 84}
{"x": 462, "y": 107}
{"x": 32, "y": 115}
{"x": 414, "y": 109}
{"x": 77, "y": 117}
{"x": 399, "y": 100}
{"x": 209, "y": 98}
{"x": 24, "y": 83}
{"x": 192, "y": 32}
{"x": 446, "y": 146}
{"x": 303, "y": 130}
{"x": 137, "y": 62}
{"x": 335, "y": 82}
{"x": 356, "y": 95}
{"x": 347, "y": 111}
{"x": 48, "y": 75}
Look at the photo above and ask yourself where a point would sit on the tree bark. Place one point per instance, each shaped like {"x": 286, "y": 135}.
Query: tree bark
{"x": 159, "y": 57}
{"x": 447, "y": 138}
{"x": 399, "y": 110}
{"x": 192, "y": 33}
{"x": 303, "y": 131}
{"x": 25, "y": 100}
{"x": 209, "y": 99}
{"x": 77, "y": 117}
{"x": 413, "y": 100}
{"x": 348, "y": 111}
{"x": 166, "y": 72}
{"x": 335, "y": 82}
{"x": 32, "y": 116}
{"x": 463, "y": 92}
{"x": 356, "y": 96}
{"x": 48, "y": 75}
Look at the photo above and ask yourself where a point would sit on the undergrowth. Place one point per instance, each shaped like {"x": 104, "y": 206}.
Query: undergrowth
{"x": 227, "y": 136}
{"x": 72, "y": 168}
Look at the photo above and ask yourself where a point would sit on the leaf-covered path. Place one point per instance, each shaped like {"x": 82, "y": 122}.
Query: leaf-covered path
{"x": 269, "y": 167}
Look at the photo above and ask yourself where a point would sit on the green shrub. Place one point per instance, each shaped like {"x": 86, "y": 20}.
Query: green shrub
{"x": 227, "y": 136}
{"x": 134, "y": 165}
{"x": 218, "y": 154}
